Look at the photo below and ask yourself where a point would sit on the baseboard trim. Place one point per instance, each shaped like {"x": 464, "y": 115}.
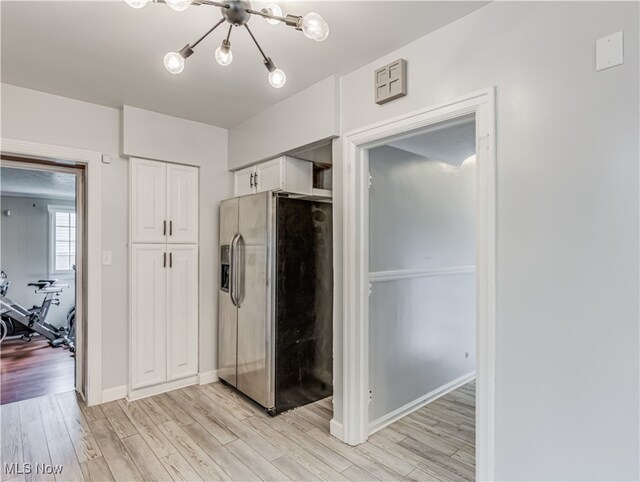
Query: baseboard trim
{"x": 162, "y": 388}
{"x": 335, "y": 429}
{"x": 405, "y": 410}
{"x": 208, "y": 377}
{"x": 115, "y": 393}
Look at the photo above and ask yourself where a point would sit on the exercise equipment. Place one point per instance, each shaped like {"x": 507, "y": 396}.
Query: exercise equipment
{"x": 16, "y": 319}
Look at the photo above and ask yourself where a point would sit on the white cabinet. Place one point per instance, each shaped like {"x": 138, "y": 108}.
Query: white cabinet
{"x": 243, "y": 181}
{"x": 182, "y": 310}
{"x": 182, "y": 204}
{"x": 164, "y": 202}
{"x": 148, "y": 310}
{"x": 164, "y": 277}
{"x": 148, "y": 201}
{"x": 282, "y": 174}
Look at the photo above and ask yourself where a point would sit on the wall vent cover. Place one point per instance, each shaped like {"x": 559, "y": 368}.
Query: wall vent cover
{"x": 391, "y": 81}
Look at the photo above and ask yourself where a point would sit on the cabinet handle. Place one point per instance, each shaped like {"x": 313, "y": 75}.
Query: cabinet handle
{"x": 170, "y": 228}
{"x": 255, "y": 179}
{"x": 170, "y": 260}
{"x": 164, "y": 259}
{"x": 251, "y": 180}
{"x": 164, "y": 227}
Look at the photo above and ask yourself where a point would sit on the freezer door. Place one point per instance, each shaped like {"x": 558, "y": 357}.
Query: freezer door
{"x": 227, "y": 311}
{"x": 255, "y": 328}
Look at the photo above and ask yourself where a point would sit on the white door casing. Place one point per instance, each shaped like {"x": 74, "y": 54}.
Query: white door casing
{"x": 354, "y": 428}
{"x": 92, "y": 162}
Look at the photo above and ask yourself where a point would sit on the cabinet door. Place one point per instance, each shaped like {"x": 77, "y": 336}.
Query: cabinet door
{"x": 182, "y": 311}
{"x": 243, "y": 182}
{"x": 148, "y": 315}
{"x": 269, "y": 176}
{"x": 182, "y": 204}
{"x": 148, "y": 201}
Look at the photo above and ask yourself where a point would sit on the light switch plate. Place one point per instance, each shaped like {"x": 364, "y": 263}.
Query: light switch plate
{"x": 391, "y": 81}
{"x": 107, "y": 258}
{"x": 609, "y": 51}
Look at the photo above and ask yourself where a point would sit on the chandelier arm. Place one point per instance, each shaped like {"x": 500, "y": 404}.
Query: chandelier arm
{"x": 266, "y": 59}
{"x": 211, "y": 3}
{"x": 229, "y": 32}
{"x": 206, "y": 34}
{"x": 264, "y": 14}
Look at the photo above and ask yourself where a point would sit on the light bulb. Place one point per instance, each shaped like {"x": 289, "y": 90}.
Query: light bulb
{"x": 224, "y": 56}
{"x": 273, "y": 9}
{"x": 174, "y": 62}
{"x": 178, "y": 5}
{"x": 277, "y": 78}
{"x": 324, "y": 33}
{"x": 137, "y": 3}
{"x": 311, "y": 25}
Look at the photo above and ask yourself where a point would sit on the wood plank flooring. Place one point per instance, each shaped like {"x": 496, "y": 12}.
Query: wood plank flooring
{"x": 211, "y": 432}
{"x": 33, "y": 369}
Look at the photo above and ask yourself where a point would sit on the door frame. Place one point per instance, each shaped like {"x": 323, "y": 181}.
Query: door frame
{"x": 92, "y": 162}
{"x": 354, "y": 428}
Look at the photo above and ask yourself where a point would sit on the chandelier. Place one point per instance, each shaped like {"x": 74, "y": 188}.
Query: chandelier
{"x": 237, "y": 13}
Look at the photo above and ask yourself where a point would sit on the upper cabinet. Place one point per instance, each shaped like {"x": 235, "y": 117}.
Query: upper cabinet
{"x": 182, "y": 204}
{"x": 148, "y": 201}
{"x": 243, "y": 181}
{"x": 280, "y": 174}
{"x": 164, "y": 202}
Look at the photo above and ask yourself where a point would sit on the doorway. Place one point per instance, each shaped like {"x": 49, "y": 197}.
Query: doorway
{"x": 42, "y": 227}
{"x": 355, "y": 427}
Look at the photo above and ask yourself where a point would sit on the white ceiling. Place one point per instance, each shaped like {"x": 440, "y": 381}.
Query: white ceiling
{"x": 451, "y": 143}
{"x": 110, "y": 54}
{"x": 37, "y": 183}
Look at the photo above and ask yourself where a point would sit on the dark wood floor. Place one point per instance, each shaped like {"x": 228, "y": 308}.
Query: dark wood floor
{"x": 33, "y": 369}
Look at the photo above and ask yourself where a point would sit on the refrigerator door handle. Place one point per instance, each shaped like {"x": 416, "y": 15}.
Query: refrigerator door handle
{"x": 233, "y": 273}
{"x": 237, "y": 269}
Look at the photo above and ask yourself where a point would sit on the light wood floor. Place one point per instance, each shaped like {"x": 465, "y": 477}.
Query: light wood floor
{"x": 210, "y": 432}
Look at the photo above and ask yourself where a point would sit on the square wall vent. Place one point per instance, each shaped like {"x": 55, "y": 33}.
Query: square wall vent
{"x": 391, "y": 81}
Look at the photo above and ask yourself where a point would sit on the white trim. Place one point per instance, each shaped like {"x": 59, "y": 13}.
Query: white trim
{"x": 208, "y": 377}
{"x": 418, "y": 403}
{"x": 381, "y": 276}
{"x": 335, "y": 429}
{"x": 356, "y": 258}
{"x": 115, "y": 393}
{"x": 161, "y": 388}
{"x": 93, "y": 163}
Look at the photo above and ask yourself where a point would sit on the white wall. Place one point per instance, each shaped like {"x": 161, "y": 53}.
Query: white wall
{"x": 567, "y": 144}
{"x": 304, "y": 118}
{"x": 39, "y": 117}
{"x": 24, "y": 253}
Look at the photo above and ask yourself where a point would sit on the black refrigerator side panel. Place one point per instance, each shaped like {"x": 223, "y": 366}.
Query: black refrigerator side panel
{"x": 304, "y": 302}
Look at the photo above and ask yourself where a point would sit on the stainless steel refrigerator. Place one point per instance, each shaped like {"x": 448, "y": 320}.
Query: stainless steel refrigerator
{"x": 275, "y": 326}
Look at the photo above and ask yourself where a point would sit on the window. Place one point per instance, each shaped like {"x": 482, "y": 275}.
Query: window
{"x": 62, "y": 234}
